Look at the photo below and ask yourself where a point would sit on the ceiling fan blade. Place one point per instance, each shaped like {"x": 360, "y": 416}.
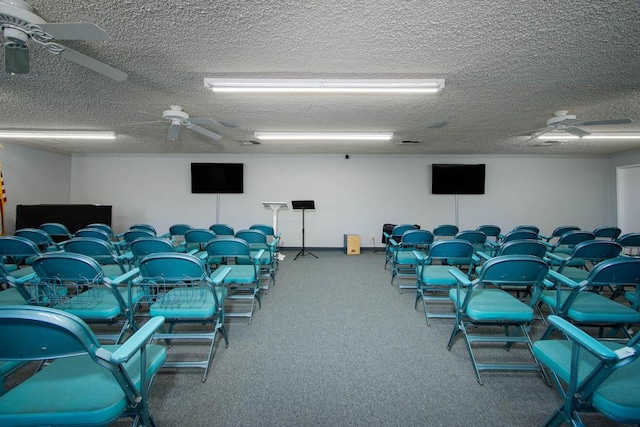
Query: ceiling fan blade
{"x": 577, "y": 131}
{"x": 79, "y": 31}
{"x": 437, "y": 125}
{"x": 203, "y": 131}
{"x": 536, "y": 135}
{"x": 93, "y": 64}
{"x": 201, "y": 121}
{"x": 605, "y": 122}
{"x": 173, "y": 132}
{"x": 16, "y": 58}
{"x": 528, "y": 132}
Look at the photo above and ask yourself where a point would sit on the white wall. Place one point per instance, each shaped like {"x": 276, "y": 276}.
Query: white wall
{"x": 623, "y": 193}
{"x": 33, "y": 176}
{"x": 355, "y": 196}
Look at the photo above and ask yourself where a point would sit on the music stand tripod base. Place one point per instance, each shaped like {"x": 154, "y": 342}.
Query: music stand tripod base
{"x": 303, "y": 205}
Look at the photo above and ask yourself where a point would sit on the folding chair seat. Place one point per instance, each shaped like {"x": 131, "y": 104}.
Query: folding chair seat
{"x": 434, "y": 279}
{"x": 85, "y": 383}
{"x": 445, "y": 231}
{"x": 607, "y": 232}
{"x": 578, "y": 303}
{"x": 222, "y": 230}
{"x": 58, "y": 232}
{"x": 630, "y": 243}
{"x": 558, "y": 232}
{"x": 396, "y": 235}
{"x": 7, "y": 368}
{"x": 481, "y": 303}
{"x": 75, "y": 283}
{"x": 257, "y": 240}
{"x": 42, "y": 239}
{"x": 16, "y": 289}
{"x": 243, "y": 281}
{"x": 404, "y": 261}
{"x": 591, "y": 375}
{"x": 179, "y": 289}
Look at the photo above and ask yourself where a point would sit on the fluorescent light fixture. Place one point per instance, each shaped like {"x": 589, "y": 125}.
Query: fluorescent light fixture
{"x": 553, "y": 136}
{"x": 54, "y": 134}
{"x": 324, "y": 136}
{"x": 325, "y": 85}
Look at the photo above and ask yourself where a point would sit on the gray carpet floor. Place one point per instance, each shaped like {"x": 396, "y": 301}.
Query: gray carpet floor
{"x": 335, "y": 344}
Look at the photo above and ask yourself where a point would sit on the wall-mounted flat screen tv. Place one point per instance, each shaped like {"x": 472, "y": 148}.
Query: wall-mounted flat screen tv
{"x": 217, "y": 178}
{"x": 457, "y": 178}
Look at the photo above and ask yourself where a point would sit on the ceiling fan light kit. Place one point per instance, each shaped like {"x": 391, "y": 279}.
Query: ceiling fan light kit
{"x": 55, "y": 134}
{"x": 320, "y": 86}
{"x": 323, "y": 136}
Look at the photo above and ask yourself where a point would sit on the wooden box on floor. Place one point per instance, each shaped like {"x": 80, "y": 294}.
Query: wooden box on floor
{"x": 352, "y": 244}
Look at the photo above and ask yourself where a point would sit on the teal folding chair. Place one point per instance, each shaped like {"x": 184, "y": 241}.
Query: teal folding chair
{"x": 58, "y": 232}
{"x": 574, "y": 265}
{"x": 147, "y": 227}
{"x": 396, "y": 235}
{"x": 482, "y": 306}
{"x": 558, "y": 232}
{"x": 630, "y": 243}
{"x": 271, "y": 234}
{"x": 492, "y": 232}
{"x": 243, "y": 281}
{"x": 198, "y": 239}
{"x": 404, "y": 262}
{"x": 18, "y": 253}
{"x": 144, "y": 246}
{"x": 83, "y": 383}
{"x": 434, "y": 279}
{"x": 176, "y": 234}
{"x": 565, "y": 243}
{"x": 75, "y": 283}
{"x": 583, "y": 304}
{"x": 529, "y": 227}
{"x": 179, "y": 289}
{"x": 112, "y": 264}
{"x": 524, "y": 234}
{"x": 15, "y": 289}
{"x": 590, "y": 375}
{"x": 222, "y": 230}
{"x": 445, "y": 231}
{"x": 607, "y": 232}
{"x": 257, "y": 241}
{"x": 41, "y": 238}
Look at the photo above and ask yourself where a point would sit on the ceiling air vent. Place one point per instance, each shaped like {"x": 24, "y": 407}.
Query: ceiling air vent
{"x": 409, "y": 142}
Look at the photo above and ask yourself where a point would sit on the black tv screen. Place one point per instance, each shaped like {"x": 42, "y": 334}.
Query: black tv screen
{"x": 217, "y": 178}
{"x": 457, "y": 178}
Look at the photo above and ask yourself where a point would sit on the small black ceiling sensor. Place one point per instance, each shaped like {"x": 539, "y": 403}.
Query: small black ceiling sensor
{"x": 346, "y": 156}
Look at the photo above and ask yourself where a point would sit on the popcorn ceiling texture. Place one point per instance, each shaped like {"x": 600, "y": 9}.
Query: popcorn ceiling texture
{"x": 508, "y": 66}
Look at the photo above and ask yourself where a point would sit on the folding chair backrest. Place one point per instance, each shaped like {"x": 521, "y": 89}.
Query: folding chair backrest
{"x": 147, "y": 227}
{"x": 222, "y": 230}
{"x": 97, "y": 233}
{"x": 97, "y": 249}
{"x": 520, "y": 235}
{"x": 252, "y": 236}
{"x": 448, "y": 249}
{"x": 445, "y": 231}
{"x": 17, "y": 249}
{"x": 519, "y": 270}
{"x": 172, "y": 267}
{"x": 198, "y": 238}
{"x": 52, "y": 334}
{"x": 596, "y": 250}
{"x": 179, "y": 229}
{"x": 228, "y": 247}
{"x": 475, "y": 237}
{"x": 61, "y": 267}
{"x": 133, "y": 234}
{"x": 630, "y": 243}
{"x": 559, "y": 231}
{"x": 529, "y": 227}
{"x": 144, "y": 246}
{"x": 607, "y": 232}
{"x": 56, "y": 230}
{"x": 417, "y": 238}
{"x": 266, "y": 229}
{"x": 41, "y": 238}
{"x": 491, "y": 231}
{"x": 616, "y": 271}
{"x": 104, "y": 227}
{"x": 523, "y": 247}
{"x": 572, "y": 238}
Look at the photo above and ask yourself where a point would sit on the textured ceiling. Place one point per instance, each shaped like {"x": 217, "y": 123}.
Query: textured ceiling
{"x": 508, "y": 66}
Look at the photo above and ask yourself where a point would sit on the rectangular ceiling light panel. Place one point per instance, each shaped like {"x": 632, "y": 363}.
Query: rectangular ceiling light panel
{"x": 324, "y": 136}
{"x": 51, "y": 134}
{"x": 325, "y": 85}
{"x": 552, "y": 136}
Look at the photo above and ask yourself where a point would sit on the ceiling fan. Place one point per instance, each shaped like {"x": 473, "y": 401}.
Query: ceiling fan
{"x": 177, "y": 118}
{"x": 19, "y": 24}
{"x": 563, "y": 121}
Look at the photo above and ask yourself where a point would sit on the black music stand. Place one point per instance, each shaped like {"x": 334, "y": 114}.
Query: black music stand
{"x": 304, "y": 205}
